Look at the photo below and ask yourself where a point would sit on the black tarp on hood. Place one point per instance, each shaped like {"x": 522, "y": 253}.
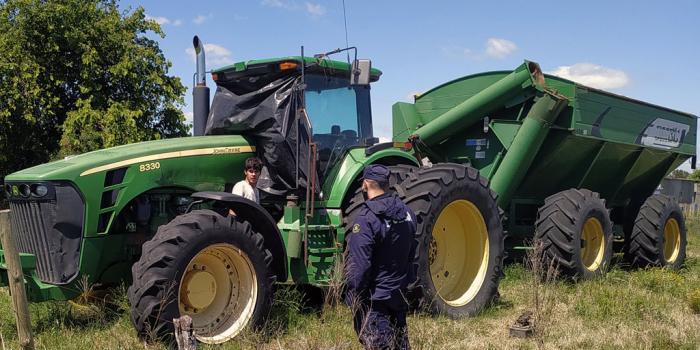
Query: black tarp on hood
{"x": 270, "y": 116}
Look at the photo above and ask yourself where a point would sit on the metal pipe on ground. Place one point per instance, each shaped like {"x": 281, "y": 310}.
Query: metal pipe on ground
{"x": 486, "y": 101}
{"x": 16, "y": 281}
{"x": 526, "y": 144}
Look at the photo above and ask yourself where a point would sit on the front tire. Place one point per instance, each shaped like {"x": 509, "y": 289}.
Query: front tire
{"x": 213, "y": 268}
{"x": 460, "y": 238}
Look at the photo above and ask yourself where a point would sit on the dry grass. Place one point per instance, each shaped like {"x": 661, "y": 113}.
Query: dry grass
{"x": 642, "y": 309}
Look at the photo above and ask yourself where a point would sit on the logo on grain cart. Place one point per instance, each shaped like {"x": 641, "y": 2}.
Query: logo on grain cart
{"x": 663, "y": 133}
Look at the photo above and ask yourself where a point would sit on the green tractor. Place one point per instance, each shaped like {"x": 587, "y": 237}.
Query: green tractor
{"x": 569, "y": 165}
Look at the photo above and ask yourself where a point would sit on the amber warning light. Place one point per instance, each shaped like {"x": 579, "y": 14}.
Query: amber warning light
{"x": 288, "y": 65}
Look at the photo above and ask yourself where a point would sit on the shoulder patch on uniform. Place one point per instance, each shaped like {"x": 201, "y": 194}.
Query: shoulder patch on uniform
{"x": 355, "y": 228}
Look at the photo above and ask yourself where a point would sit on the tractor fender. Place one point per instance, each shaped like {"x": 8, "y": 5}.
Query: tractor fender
{"x": 261, "y": 221}
{"x": 353, "y": 164}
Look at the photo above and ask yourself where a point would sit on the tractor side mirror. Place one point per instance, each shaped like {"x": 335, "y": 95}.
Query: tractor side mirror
{"x": 360, "y": 74}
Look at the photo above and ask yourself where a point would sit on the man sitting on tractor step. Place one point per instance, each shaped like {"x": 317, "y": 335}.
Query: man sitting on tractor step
{"x": 246, "y": 188}
{"x": 379, "y": 264}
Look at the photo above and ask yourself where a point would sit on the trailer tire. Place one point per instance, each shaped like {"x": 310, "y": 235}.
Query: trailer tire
{"x": 566, "y": 222}
{"x": 659, "y": 234}
{"x": 213, "y": 268}
{"x": 457, "y": 273}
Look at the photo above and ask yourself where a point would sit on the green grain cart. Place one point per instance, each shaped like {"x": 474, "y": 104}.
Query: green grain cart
{"x": 574, "y": 165}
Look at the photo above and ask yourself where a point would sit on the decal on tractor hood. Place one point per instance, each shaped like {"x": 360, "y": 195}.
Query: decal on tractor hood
{"x": 663, "y": 133}
{"x": 176, "y": 154}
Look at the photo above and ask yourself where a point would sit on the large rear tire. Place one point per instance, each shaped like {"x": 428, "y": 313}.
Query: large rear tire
{"x": 460, "y": 238}
{"x": 213, "y": 268}
{"x": 575, "y": 231}
{"x": 659, "y": 234}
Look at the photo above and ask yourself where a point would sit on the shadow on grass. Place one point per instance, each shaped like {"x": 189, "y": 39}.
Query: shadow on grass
{"x": 290, "y": 306}
{"x": 97, "y": 309}
{"x": 89, "y": 316}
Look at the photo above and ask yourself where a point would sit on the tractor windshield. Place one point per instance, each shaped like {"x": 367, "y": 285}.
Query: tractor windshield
{"x": 340, "y": 115}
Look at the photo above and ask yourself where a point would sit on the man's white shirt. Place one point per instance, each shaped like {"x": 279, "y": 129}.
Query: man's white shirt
{"x": 245, "y": 190}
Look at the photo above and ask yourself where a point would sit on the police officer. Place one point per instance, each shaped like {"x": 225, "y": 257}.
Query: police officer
{"x": 379, "y": 264}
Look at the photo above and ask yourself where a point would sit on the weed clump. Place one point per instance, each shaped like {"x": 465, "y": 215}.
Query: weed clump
{"x": 694, "y": 299}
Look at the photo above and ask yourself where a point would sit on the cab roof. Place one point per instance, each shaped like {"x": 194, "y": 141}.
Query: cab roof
{"x": 313, "y": 65}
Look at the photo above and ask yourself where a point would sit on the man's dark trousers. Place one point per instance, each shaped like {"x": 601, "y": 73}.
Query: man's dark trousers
{"x": 381, "y": 324}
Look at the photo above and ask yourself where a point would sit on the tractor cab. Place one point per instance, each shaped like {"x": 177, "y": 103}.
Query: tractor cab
{"x": 287, "y": 104}
{"x": 340, "y": 115}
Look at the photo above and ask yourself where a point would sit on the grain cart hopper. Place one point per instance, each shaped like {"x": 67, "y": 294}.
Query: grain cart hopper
{"x": 574, "y": 165}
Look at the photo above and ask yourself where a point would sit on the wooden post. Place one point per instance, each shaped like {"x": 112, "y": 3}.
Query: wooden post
{"x": 184, "y": 334}
{"x": 16, "y": 277}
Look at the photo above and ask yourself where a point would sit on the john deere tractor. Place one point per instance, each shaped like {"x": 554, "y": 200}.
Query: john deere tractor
{"x": 569, "y": 165}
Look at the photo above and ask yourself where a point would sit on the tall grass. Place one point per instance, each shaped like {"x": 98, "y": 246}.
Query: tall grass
{"x": 639, "y": 309}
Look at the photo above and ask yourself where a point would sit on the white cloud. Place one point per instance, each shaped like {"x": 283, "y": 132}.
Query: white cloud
{"x": 189, "y": 116}
{"x": 383, "y": 139}
{"x": 201, "y": 18}
{"x": 164, "y": 21}
{"x": 499, "y": 48}
{"x": 593, "y": 75}
{"x": 311, "y": 8}
{"x": 159, "y": 20}
{"x": 494, "y": 48}
{"x": 216, "y": 55}
{"x": 279, "y": 3}
{"x": 315, "y": 10}
{"x": 412, "y": 96}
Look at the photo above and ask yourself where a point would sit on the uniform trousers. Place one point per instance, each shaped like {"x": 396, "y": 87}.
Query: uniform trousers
{"x": 381, "y": 324}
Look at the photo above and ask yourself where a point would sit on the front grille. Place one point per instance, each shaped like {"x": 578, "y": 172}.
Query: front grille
{"x": 51, "y": 230}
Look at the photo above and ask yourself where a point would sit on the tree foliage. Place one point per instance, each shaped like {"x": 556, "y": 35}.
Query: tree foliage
{"x": 695, "y": 175}
{"x": 679, "y": 174}
{"x": 79, "y": 75}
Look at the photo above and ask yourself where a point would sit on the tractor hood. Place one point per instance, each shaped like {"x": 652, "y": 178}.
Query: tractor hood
{"x": 106, "y": 159}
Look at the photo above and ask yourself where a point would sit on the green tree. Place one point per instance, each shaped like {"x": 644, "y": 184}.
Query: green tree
{"x": 679, "y": 174}
{"x": 695, "y": 175}
{"x": 79, "y": 75}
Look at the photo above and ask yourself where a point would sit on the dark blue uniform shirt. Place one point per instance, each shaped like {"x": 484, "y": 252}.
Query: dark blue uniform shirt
{"x": 381, "y": 248}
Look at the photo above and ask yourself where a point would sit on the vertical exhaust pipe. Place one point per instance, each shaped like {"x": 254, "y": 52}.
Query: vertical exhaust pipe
{"x": 200, "y": 92}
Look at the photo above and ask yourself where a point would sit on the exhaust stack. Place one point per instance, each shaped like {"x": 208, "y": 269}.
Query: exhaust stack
{"x": 200, "y": 92}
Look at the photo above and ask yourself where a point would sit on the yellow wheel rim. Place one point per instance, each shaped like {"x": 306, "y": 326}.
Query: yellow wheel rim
{"x": 592, "y": 244}
{"x": 672, "y": 240}
{"x": 459, "y": 252}
{"x": 219, "y": 291}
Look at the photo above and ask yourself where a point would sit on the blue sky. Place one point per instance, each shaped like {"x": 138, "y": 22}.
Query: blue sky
{"x": 648, "y": 50}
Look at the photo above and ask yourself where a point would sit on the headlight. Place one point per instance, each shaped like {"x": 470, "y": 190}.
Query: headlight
{"x": 40, "y": 190}
{"x": 24, "y": 190}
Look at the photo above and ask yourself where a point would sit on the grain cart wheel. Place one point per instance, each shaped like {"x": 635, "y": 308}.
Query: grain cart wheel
{"x": 575, "y": 230}
{"x": 212, "y": 268}
{"x": 659, "y": 234}
{"x": 460, "y": 238}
